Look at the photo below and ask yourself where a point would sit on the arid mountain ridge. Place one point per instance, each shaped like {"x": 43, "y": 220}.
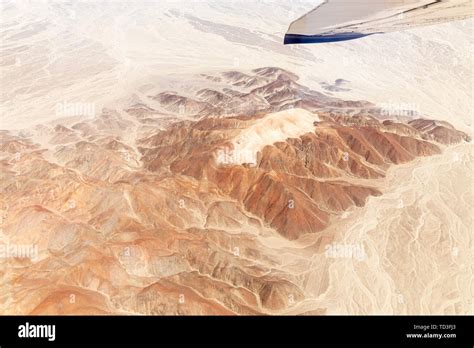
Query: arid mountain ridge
{"x": 164, "y": 207}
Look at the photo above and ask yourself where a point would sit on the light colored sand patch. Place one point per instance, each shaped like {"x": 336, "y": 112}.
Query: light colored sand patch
{"x": 273, "y": 128}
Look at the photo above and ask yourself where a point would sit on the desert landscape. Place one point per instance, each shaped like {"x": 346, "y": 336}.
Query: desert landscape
{"x": 190, "y": 181}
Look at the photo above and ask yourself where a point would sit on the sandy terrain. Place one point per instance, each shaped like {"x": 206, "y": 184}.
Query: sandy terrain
{"x": 417, "y": 239}
{"x": 92, "y": 52}
{"x": 273, "y": 128}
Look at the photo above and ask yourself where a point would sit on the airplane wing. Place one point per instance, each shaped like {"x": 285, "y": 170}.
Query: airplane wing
{"x": 340, "y": 20}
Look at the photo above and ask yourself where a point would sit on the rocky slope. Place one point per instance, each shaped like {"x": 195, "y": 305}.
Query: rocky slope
{"x": 210, "y": 200}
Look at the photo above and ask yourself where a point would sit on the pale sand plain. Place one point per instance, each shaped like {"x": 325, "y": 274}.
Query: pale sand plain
{"x": 417, "y": 243}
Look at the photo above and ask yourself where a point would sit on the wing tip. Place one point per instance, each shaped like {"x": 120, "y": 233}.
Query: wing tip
{"x": 293, "y": 39}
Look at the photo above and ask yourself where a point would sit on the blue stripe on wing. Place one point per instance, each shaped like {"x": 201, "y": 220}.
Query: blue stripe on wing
{"x": 291, "y": 39}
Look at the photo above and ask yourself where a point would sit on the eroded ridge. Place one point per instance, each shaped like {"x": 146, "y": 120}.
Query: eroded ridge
{"x": 212, "y": 200}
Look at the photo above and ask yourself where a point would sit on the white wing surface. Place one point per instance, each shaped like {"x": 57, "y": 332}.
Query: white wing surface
{"x": 339, "y": 20}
